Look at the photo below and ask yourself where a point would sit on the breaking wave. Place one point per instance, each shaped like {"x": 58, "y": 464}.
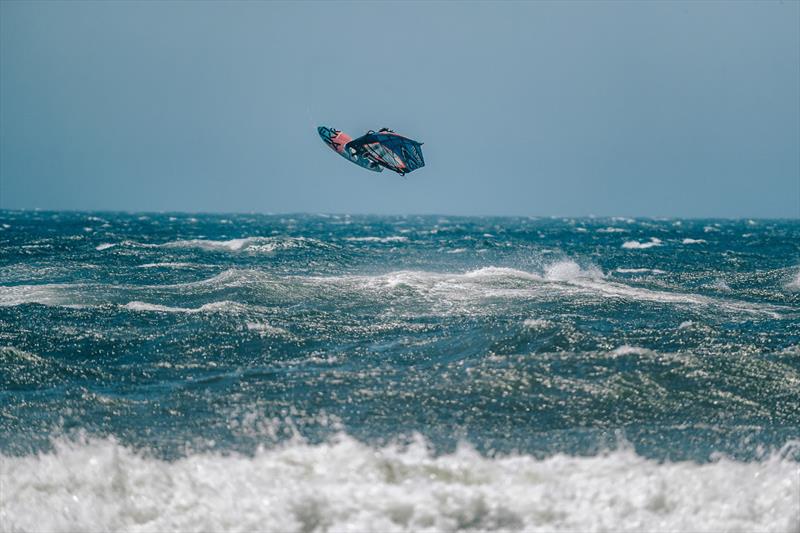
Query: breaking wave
{"x": 249, "y": 244}
{"x": 794, "y": 284}
{"x": 46, "y": 294}
{"x": 639, "y": 270}
{"x": 213, "y": 307}
{"x": 253, "y": 245}
{"x": 170, "y": 264}
{"x": 636, "y": 245}
{"x": 395, "y": 238}
{"x": 562, "y": 279}
{"x": 345, "y": 485}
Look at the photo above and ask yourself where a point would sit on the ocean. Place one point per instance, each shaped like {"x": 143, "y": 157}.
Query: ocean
{"x": 235, "y": 372}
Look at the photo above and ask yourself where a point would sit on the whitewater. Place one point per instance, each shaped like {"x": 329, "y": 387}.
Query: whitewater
{"x": 413, "y": 373}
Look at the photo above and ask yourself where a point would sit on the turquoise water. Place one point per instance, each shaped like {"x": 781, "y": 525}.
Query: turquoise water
{"x": 320, "y": 372}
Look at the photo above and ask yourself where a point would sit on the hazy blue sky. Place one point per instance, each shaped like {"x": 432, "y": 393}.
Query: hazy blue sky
{"x": 626, "y": 108}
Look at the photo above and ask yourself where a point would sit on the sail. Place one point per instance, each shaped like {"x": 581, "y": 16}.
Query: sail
{"x": 390, "y": 150}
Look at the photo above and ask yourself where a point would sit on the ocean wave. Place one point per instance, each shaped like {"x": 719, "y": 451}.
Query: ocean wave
{"x": 240, "y": 245}
{"x": 536, "y": 323}
{"x": 265, "y": 329}
{"x": 92, "y": 295}
{"x": 794, "y": 284}
{"x": 621, "y": 290}
{"x": 636, "y": 245}
{"x": 394, "y": 238}
{"x": 227, "y": 279}
{"x": 248, "y": 244}
{"x": 213, "y": 307}
{"x": 45, "y": 294}
{"x": 12, "y": 354}
{"x": 630, "y": 350}
{"x": 694, "y": 241}
{"x": 612, "y": 229}
{"x": 124, "y": 244}
{"x": 564, "y": 278}
{"x": 720, "y": 285}
{"x": 495, "y": 273}
{"x": 345, "y": 485}
{"x": 569, "y": 271}
{"x": 169, "y": 264}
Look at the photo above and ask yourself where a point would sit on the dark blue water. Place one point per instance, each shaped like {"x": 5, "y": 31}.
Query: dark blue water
{"x": 167, "y": 338}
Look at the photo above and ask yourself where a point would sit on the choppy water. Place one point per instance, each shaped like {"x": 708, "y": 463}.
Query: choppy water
{"x": 301, "y": 373}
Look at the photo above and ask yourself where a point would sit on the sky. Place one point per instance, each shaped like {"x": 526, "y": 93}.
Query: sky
{"x": 661, "y": 109}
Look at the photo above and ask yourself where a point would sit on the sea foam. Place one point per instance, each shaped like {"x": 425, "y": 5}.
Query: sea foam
{"x": 212, "y": 307}
{"x": 393, "y": 238}
{"x": 170, "y": 264}
{"x": 636, "y": 245}
{"x": 794, "y": 284}
{"x": 345, "y": 485}
{"x": 248, "y": 244}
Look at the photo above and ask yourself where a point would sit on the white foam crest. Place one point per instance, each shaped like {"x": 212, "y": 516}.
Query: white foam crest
{"x": 636, "y": 245}
{"x": 694, "y": 241}
{"x": 169, "y": 265}
{"x": 424, "y": 280}
{"x": 145, "y": 307}
{"x": 612, "y": 229}
{"x": 500, "y": 272}
{"x": 224, "y": 306}
{"x": 721, "y": 285}
{"x": 392, "y": 280}
{"x": 794, "y": 284}
{"x": 566, "y": 276}
{"x": 266, "y": 329}
{"x": 232, "y": 277}
{"x": 572, "y": 277}
{"x": 345, "y": 485}
{"x": 536, "y": 323}
{"x": 246, "y": 244}
{"x": 630, "y": 350}
{"x": 124, "y": 244}
{"x": 46, "y": 294}
{"x": 394, "y": 238}
{"x": 11, "y": 353}
{"x": 620, "y": 290}
{"x": 440, "y": 292}
{"x": 84, "y": 295}
{"x": 639, "y": 270}
{"x": 570, "y": 270}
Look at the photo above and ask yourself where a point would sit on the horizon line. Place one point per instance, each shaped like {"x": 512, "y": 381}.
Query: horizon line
{"x": 324, "y": 214}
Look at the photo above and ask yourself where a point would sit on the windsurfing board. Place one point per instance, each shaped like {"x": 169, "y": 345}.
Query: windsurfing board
{"x": 337, "y": 140}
